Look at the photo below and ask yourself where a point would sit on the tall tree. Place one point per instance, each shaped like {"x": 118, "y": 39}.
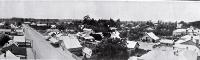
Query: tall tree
{"x": 110, "y": 48}
{"x": 4, "y": 39}
{"x": 86, "y": 19}
{"x": 7, "y": 25}
{"x": 184, "y": 24}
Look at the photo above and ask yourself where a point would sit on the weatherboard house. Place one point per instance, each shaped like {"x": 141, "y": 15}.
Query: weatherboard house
{"x": 150, "y": 37}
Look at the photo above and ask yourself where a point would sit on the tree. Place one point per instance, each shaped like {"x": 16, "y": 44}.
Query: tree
{"x": 112, "y": 23}
{"x": 111, "y": 47}
{"x": 4, "y": 39}
{"x": 195, "y": 24}
{"x": 19, "y": 23}
{"x": 86, "y": 19}
{"x": 165, "y": 29}
{"x": 7, "y": 25}
{"x": 92, "y": 22}
{"x": 136, "y": 33}
{"x": 118, "y": 23}
{"x": 61, "y": 27}
{"x": 150, "y": 23}
{"x": 184, "y": 24}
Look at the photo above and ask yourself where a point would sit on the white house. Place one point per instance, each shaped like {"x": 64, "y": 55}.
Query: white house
{"x": 53, "y": 26}
{"x": 150, "y": 37}
{"x": 132, "y": 45}
{"x": 179, "y": 25}
{"x": 87, "y": 52}
{"x": 185, "y": 38}
{"x": 115, "y": 34}
{"x": 2, "y": 23}
{"x": 166, "y": 41}
{"x": 41, "y": 24}
{"x": 179, "y": 32}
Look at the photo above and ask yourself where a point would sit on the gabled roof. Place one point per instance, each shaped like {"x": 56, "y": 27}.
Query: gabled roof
{"x": 84, "y": 34}
{"x": 9, "y": 56}
{"x": 183, "y": 39}
{"x": 153, "y": 36}
{"x": 33, "y": 23}
{"x": 19, "y": 30}
{"x": 180, "y": 41}
{"x": 180, "y": 30}
{"x": 188, "y": 47}
{"x": 88, "y": 37}
{"x": 88, "y": 51}
{"x": 186, "y": 37}
{"x": 59, "y": 35}
{"x": 27, "y": 22}
{"x": 166, "y": 41}
{"x": 70, "y": 42}
{"x": 41, "y": 24}
{"x": 190, "y": 42}
{"x": 85, "y": 29}
{"x": 131, "y": 44}
{"x": 53, "y": 40}
{"x": 19, "y": 38}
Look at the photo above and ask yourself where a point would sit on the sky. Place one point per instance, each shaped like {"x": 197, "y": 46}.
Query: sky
{"x": 124, "y": 10}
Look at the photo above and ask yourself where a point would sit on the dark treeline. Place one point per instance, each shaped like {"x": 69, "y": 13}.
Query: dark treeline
{"x": 136, "y": 30}
{"x": 16, "y": 19}
{"x": 101, "y": 25}
{"x": 195, "y": 24}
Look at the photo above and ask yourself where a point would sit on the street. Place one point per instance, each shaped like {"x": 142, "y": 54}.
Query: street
{"x": 42, "y": 49}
